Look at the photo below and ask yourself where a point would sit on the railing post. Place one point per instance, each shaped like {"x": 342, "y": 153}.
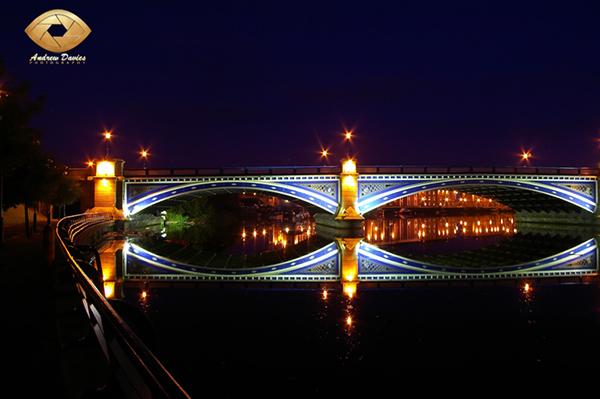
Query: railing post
{"x": 49, "y": 245}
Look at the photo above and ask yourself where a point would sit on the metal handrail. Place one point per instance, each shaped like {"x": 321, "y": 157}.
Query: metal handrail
{"x": 331, "y": 169}
{"x": 78, "y": 223}
{"x": 142, "y": 373}
{"x": 445, "y": 169}
{"x": 234, "y": 171}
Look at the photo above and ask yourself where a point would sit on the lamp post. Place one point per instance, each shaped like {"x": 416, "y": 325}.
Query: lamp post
{"x": 144, "y": 155}
{"x": 2, "y": 189}
{"x": 348, "y": 136}
{"x": 107, "y": 136}
{"x": 1, "y": 205}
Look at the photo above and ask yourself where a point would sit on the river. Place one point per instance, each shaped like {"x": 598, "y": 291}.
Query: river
{"x": 280, "y": 341}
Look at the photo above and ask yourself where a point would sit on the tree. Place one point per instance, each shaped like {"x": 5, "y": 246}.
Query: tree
{"x": 58, "y": 188}
{"x": 28, "y": 174}
{"x": 40, "y": 179}
{"x": 17, "y": 110}
{"x": 19, "y": 142}
{"x": 22, "y": 185}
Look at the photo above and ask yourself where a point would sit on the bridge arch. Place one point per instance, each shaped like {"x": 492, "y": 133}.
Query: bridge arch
{"x": 377, "y": 264}
{"x": 150, "y": 194}
{"x": 519, "y": 192}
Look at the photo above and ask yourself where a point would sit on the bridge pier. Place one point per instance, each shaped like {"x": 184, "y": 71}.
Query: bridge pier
{"x": 348, "y": 206}
{"x": 108, "y": 187}
{"x": 347, "y": 221}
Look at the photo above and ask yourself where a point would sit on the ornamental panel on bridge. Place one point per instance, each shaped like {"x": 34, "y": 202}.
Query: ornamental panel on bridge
{"x": 555, "y": 193}
{"x": 146, "y": 195}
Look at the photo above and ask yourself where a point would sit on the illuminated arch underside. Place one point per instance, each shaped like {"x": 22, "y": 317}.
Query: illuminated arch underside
{"x": 173, "y": 195}
{"x": 518, "y": 195}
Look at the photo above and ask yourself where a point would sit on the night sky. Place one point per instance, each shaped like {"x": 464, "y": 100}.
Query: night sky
{"x": 257, "y": 83}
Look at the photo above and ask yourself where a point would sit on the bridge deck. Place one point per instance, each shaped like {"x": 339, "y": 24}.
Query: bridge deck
{"x": 377, "y": 169}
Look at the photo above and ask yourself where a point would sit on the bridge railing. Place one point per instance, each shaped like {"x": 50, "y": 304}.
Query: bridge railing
{"x": 138, "y": 371}
{"x": 236, "y": 171}
{"x": 374, "y": 169}
{"x": 74, "y": 225}
{"x": 534, "y": 170}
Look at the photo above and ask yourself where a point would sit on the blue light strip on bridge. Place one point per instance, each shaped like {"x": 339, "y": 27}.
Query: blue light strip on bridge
{"x": 377, "y": 264}
{"x": 318, "y": 265}
{"x": 291, "y": 190}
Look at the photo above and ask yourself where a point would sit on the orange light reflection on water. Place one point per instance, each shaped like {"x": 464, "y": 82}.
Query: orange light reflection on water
{"x": 396, "y": 229}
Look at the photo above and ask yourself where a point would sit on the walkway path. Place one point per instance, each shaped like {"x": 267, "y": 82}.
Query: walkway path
{"x": 51, "y": 349}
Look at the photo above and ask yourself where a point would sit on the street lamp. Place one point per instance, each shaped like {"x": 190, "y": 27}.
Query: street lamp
{"x": 107, "y": 136}
{"x": 144, "y": 155}
{"x": 348, "y": 135}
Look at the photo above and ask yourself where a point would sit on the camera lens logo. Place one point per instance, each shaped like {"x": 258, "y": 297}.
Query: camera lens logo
{"x": 75, "y": 31}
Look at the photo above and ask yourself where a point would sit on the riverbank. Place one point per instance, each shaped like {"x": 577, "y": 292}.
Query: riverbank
{"x": 52, "y": 351}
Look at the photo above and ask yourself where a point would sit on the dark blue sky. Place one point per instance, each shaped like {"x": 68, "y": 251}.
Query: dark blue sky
{"x": 220, "y": 83}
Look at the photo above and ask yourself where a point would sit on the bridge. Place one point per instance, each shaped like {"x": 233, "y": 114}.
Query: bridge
{"x": 347, "y": 192}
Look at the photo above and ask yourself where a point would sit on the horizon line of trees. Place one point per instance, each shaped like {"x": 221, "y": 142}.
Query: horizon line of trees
{"x": 29, "y": 174}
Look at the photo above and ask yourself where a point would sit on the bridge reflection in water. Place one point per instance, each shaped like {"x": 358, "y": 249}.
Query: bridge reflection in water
{"x": 392, "y": 250}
